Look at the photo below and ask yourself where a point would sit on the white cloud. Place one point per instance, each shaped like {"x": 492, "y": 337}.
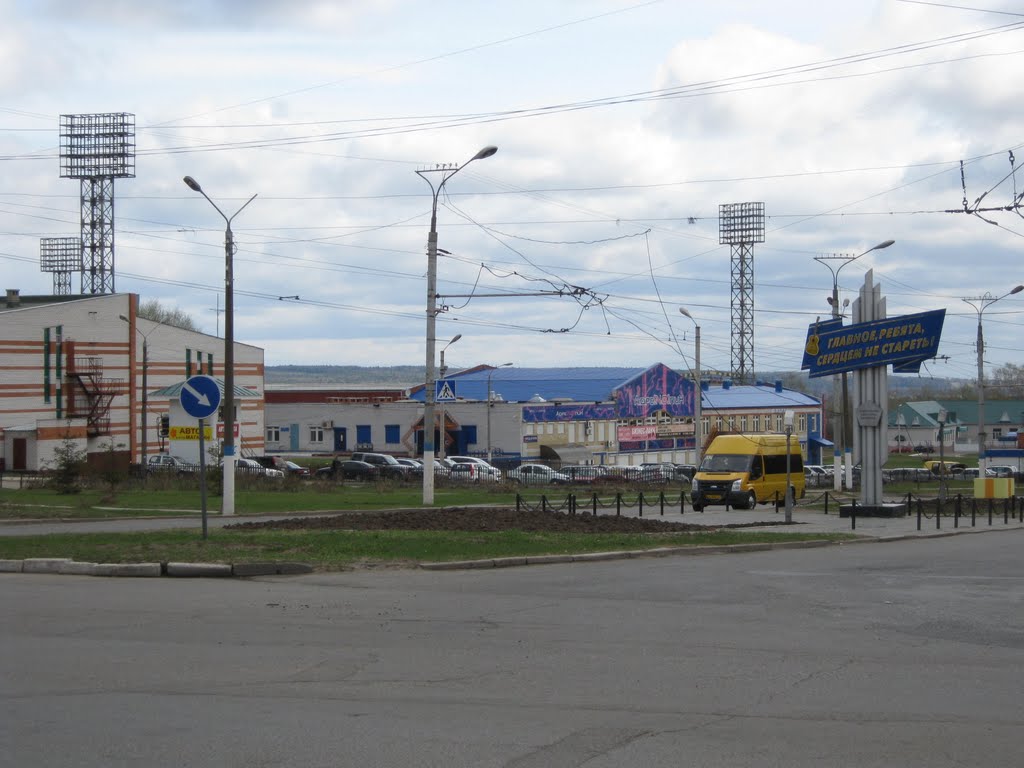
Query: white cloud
{"x": 841, "y": 162}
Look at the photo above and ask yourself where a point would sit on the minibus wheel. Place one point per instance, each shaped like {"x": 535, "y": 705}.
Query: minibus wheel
{"x": 751, "y": 500}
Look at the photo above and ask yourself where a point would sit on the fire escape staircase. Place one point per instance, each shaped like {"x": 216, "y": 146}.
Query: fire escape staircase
{"x": 91, "y": 394}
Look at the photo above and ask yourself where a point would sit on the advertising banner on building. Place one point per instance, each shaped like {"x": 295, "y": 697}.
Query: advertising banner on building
{"x": 631, "y": 434}
{"x": 190, "y": 433}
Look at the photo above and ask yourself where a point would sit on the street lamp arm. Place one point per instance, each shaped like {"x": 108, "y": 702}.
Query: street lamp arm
{"x": 979, "y": 304}
{"x": 431, "y": 315}
{"x": 195, "y": 187}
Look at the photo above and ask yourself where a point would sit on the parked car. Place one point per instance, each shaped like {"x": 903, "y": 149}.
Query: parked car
{"x": 443, "y": 467}
{"x": 685, "y": 472}
{"x": 389, "y": 466}
{"x": 287, "y": 467}
{"x": 536, "y": 474}
{"x": 272, "y": 462}
{"x": 661, "y": 472}
{"x": 296, "y": 470}
{"x": 349, "y": 469}
{"x": 254, "y": 468}
{"x": 623, "y": 474}
{"x": 1002, "y": 471}
{"x": 166, "y": 462}
{"x": 924, "y": 448}
{"x": 476, "y": 473}
{"x": 968, "y": 473}
{"x": 908, "y": 475}
{"x": 943, "y": 467}
{"x": 464, "y": 473}
{"x": 484, "y": 470}
{"x": 412, "y": 466}
{"x": 585, "y": 474}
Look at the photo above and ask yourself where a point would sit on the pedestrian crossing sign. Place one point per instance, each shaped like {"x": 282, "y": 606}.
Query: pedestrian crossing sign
{"x": 445, "y": 391}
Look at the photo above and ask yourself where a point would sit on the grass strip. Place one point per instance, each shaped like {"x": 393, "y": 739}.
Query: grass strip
{"x": 334, "y": 550}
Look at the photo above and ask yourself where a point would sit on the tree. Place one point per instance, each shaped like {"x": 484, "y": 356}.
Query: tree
{"x": 68, "y": 465}
{"x": 152, "y": 310}
{"x": 1007, "y": 382}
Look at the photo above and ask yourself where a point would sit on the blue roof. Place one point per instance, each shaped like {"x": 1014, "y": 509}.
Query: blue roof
{"x": 755, "y": 396}
{"x": 581, "y": 385}
{"x": 513, "y": 384}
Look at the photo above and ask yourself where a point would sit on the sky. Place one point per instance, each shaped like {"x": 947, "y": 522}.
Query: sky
{"x": 621, "y": 127}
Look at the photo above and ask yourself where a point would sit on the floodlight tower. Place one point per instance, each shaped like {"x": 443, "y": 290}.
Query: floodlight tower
{"x": 96, "y": 149}
{"x": 62, "y": 256}
{"x": 740, "y": 225}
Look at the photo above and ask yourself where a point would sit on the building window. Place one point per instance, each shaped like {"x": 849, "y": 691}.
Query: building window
{"x": 316, "y": 434}
{"x": 743, "y": 424}
{"x": 757, "y": 423}
{"x": 273, "y": 434}
{"x": 392, "y": 433}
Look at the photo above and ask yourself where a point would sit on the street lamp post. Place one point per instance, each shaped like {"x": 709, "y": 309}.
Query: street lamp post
{"x": 228, "y": 506}
{"x": 787, "y": 419}
{"x": 490, "y": 398}
{"x": 145, "y": 391}
{"x": 443, "y": 371}
{"x": 843, "y": 431}
{"x": 942, "y": 455}
{"x": 980, "y": 304}
{"x": 446, "y": 172}
{"x": 698, "y": 394}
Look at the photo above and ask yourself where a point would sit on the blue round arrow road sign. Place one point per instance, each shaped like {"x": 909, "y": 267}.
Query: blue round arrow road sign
{"x": 200, "y": 396}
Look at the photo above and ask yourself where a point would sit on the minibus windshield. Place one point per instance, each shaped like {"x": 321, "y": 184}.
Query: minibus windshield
{"x": 726, "y": 462}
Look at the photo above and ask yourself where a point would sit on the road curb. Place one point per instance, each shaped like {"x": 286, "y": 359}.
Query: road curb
{"x": 63, "y": 566}
{"x": 596, "y": 557}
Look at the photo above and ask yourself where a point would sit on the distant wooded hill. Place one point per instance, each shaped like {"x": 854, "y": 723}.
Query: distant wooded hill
{"x": 344, "y": 374}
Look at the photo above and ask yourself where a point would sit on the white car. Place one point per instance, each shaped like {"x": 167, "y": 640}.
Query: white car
{"x": 481, "y": 469}
{"x": 537, "y": 474}
{"x": 1001, "y": 471}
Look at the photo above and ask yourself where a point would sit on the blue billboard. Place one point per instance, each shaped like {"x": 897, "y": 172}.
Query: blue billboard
{"x": 903, "y": 342}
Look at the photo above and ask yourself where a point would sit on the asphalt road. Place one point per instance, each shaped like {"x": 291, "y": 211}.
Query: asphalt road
{"x": 905, "y": 653}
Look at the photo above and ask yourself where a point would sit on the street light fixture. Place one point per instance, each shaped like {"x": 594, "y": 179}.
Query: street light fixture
{"x": 228, "y": 506}
{"x": 699, "y": 394}
{"x": 980, "y": 304}
{"x": 787, "y": 419}
{"x": 446, "y": 172}
{"x": 844, "y": 430}
{"x": 443, "y": 371}
{"x": 490, "y": 398}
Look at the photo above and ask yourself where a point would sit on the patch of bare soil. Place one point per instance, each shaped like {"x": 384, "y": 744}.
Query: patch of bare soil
{"x": 485, "y": 519}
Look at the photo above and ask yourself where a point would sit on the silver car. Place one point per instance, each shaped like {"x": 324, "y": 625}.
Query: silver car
{"x": 537, "y": 474}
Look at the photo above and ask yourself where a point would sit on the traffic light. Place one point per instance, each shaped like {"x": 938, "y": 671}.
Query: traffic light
{"x": 165, "y": 425}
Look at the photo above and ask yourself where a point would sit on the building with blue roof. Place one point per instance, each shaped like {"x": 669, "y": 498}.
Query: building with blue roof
{"x": 601, "y": 415}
